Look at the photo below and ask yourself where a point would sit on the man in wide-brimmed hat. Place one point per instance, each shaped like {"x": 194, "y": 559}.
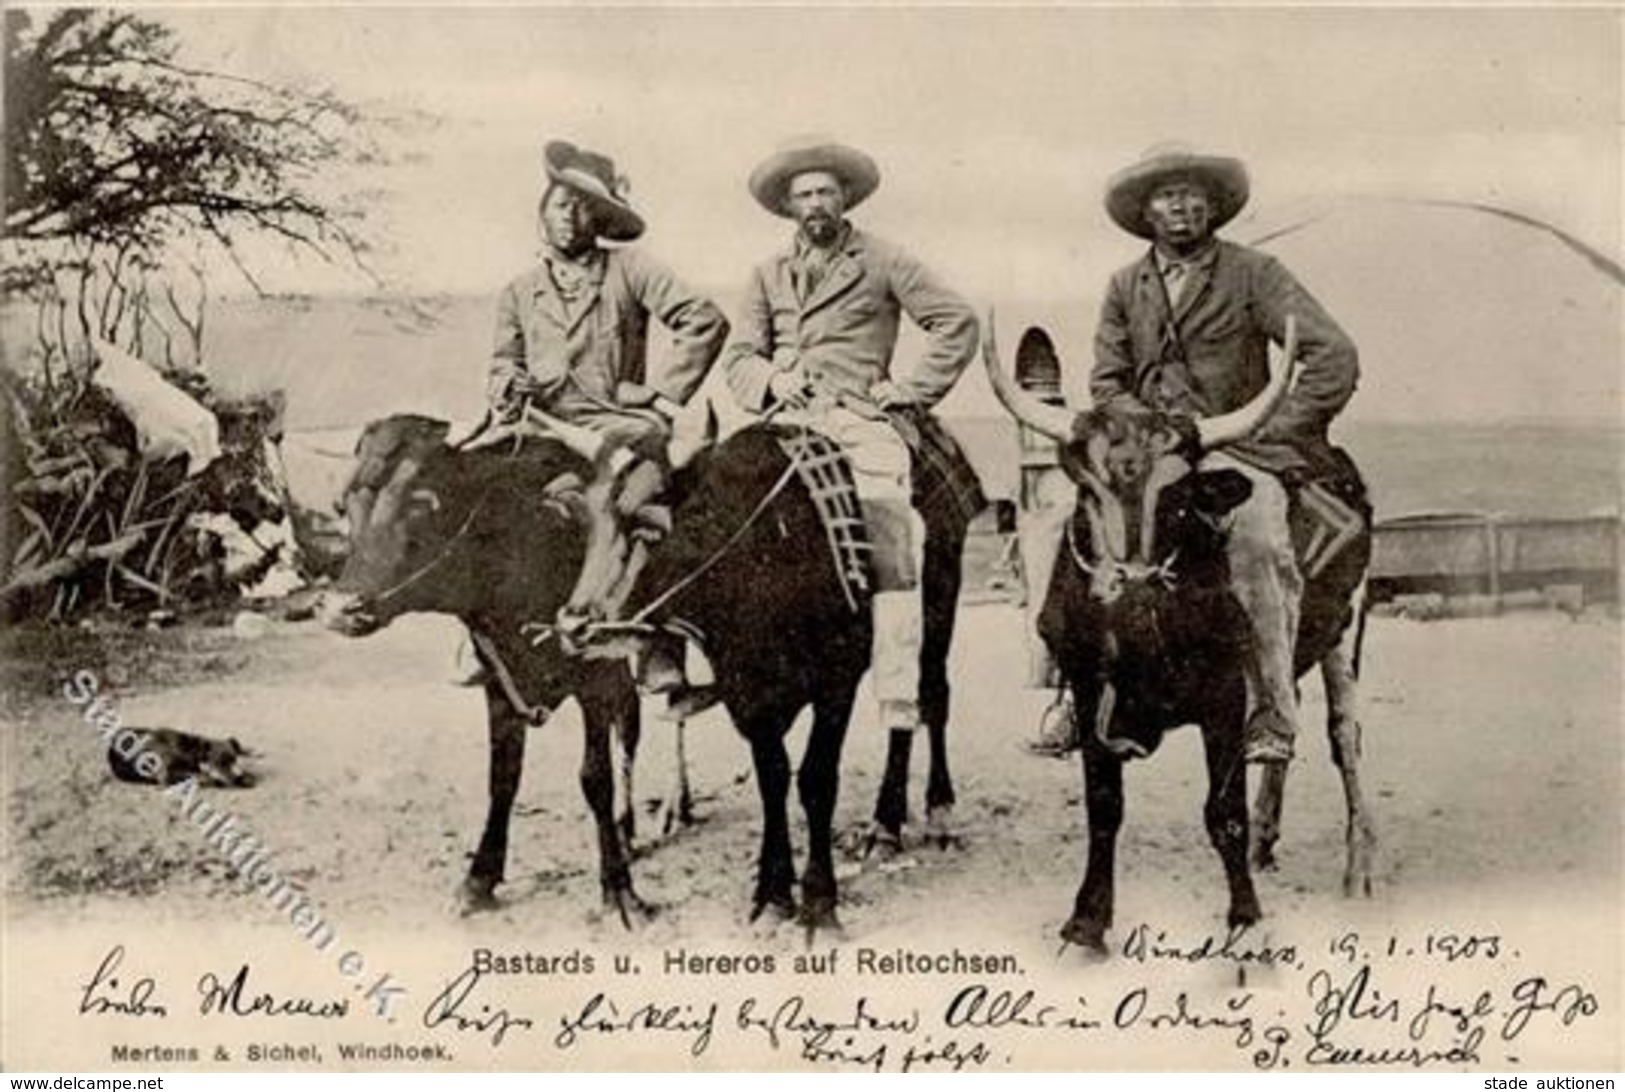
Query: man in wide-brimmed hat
{"x": 816, "y": 334}
{"x": 1186, "y": 329}
{"x": 572, "y": 331}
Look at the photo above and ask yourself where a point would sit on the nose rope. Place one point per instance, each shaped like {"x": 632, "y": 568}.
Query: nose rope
{"x": 1162, "y": 573}
{"x": 434, "y": 562}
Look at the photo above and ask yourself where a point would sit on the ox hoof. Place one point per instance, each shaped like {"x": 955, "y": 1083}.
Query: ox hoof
{"x": 1356, "y": 885}
{"x": 475, "y": 897}
{"x": 1244, "y": 914}
{"x": 1088, "y": 935}
{"x": 775, "y": 908}
{"x": 625, "y": 907}
{"x": 883, "y": 840}
{"x": 673, "y": 816}
{"x": 818, "y": 916}
{"x": 939, "y": 828}
{"x": 1264, "y": 859}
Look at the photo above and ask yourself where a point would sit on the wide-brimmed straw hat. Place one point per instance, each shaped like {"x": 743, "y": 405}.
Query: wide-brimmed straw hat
{"x": 594, "y": 176}
{"x": 770, "y": 181}
{"x": 1224, "y": 177}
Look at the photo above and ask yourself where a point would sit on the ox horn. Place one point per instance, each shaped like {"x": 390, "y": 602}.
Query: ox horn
{"x": 1238, "y": 424}
{"x": 1053, "y": 421}
{"x": 460, "y": 433}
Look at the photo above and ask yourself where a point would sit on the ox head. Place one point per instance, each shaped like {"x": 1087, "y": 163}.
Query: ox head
{"x": 624, "y": 516}
{"x": 1141, "y": 497}
{"x": 417, "y": 542}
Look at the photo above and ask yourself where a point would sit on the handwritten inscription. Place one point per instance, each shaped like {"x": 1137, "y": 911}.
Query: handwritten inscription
{"x": 1350, "y": 1002}
{"x": 107, "y": 993}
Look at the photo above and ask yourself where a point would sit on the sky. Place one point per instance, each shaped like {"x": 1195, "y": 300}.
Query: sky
{"x": 996, "y": 129}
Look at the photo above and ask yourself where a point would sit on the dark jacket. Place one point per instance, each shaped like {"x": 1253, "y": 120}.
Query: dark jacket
{"x": 1208, "y": 354}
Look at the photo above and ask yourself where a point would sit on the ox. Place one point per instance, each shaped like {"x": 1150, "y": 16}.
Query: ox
{"x": 745, "y": 564}
{"x": 1148, "y": 634}
{"x": 479, "y": 534}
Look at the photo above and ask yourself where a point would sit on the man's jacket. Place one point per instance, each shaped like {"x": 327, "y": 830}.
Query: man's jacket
{"x": 586, "y": 349}
{"x": 843, "y": 336}
{"x": 1207, "y": 353}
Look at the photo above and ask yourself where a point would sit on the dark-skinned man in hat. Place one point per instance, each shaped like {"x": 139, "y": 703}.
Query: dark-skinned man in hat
{"x": 815, "y": 339}
{"x": 572, "y": 332}
{"x": 1186, "y": 329}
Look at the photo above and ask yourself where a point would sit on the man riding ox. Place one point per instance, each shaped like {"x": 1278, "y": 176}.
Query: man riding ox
{"x": 572, "y": 336}
{"x": 1186, "y": 330}
{"x": 1149, "y": 634}
{"x": 817, "y": 331}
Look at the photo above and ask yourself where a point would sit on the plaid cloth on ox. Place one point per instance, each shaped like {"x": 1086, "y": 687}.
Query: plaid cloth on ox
{"x": 945, "y": 483}
{"x": 827, "y": 476}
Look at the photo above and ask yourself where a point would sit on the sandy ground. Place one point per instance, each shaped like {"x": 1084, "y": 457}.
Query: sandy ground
{"x": 1493, "y": 767}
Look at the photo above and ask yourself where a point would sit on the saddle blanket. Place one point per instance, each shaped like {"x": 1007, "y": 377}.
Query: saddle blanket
{"x": 827, "y": 476}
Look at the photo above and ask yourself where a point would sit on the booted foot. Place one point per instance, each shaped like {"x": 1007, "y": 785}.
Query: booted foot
{"x": 1057, "y": 729}
{"x": 1269, "y": 738}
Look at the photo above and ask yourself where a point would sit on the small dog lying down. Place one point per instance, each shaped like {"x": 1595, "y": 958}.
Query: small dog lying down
{"x": 181, "y": 755}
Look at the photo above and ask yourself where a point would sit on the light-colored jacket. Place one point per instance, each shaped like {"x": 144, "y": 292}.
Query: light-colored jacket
{"x": 605, "y": 341}
{"x": 844, "y": 334}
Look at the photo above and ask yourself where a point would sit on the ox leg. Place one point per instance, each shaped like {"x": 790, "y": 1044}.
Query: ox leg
{"x": 609, "y": 709}
{"x": 1103, "y": 802}
{"x": 891, "y": 806}
{"x": 507, "y": 737}
{"x": 775, "y": 864}
{"x": 625, "y": 734}
{"x": 1266, "y": 821}
{"x": 1343, "y": 725}
{"x": 677, "y": 807}
{"x": 943, "y": 563}
{"x": 818, "y": 783}
{"x": 1226, "y": 809}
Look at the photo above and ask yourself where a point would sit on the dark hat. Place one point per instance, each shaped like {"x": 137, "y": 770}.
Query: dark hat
{"x": 594, "y": 176}
{"x": 1224, "y": 178}
{"x": 770, "y": 181}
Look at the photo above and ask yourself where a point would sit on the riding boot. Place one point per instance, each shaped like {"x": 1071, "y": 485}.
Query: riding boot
{"x": 899, "y": 628}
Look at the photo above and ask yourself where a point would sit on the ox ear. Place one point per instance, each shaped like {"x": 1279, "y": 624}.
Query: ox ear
{"x": 1217, "y": 492}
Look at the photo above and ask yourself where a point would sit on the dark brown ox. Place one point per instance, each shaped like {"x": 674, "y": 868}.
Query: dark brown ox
{"x": 1141, "y": 618}
{"x": 743, "y": 560}
{"x": 481, "y": 535}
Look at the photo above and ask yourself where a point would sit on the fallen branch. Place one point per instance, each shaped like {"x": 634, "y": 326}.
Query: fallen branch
{"x": 70, "y": 563}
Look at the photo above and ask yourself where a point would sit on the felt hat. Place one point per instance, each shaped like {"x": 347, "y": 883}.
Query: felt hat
{"x": 594, "y": 176}
{"x": 770, "y": 181}
{"x": 1224, "y": 178}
